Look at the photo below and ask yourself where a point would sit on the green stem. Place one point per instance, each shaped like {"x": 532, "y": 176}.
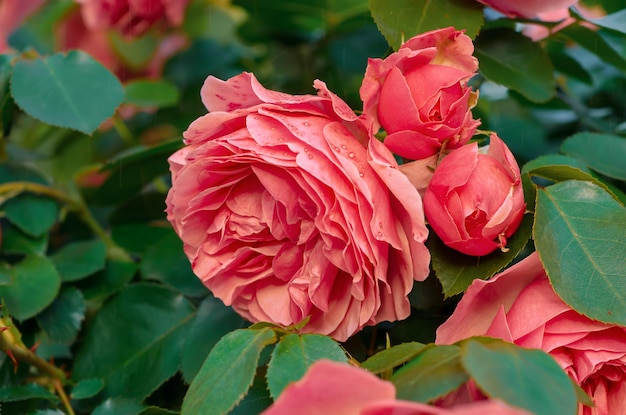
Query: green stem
{"x": 114, "y": 251}
{"x": 123, "y": 130}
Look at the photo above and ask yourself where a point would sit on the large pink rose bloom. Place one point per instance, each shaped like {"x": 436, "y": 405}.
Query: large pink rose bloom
{"x": 520, "y": 306}
{"x": 330, "y": 388}
{"x": 132, "y": 17}
{"x": 420, "y": 96}
{"x": 527, "y": 8}
{"x": 285, "y": 213}
{"x": 475, "y": 201}
{"x": 12, "y": 14}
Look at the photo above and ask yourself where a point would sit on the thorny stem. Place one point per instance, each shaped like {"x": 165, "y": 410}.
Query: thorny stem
{"x": 12, "y": 345}
{"x": 9, "y": 190}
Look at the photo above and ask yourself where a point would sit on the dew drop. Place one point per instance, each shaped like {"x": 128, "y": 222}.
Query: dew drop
{"x": 351, "y": 155}
{"x": 306, "y": 124}
{"x": 361, "y": 174}
{"x": 344, "y": 146}
{"x": 379, "y": 236}
{"x": 380, "y": 225}
{"x": 310, "y": 156}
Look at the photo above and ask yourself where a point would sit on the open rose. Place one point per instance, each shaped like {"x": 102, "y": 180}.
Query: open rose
{"x": 419, "y": 94}
{"x": 132, "y": 17}
{"x": 520, "y": 306}
{"x": 72, "y": 33}
{"x": 286, "y": 214}
{"x": 475, "y": 201}
{"x": 332, "y": 388}
{"x": 527, "y": 8}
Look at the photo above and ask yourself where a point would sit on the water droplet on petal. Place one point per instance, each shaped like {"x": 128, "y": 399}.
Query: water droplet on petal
{"x": 306, "y": 124}
{"x": 351, "y": 155}
{"x": 344, "y": 146}
{"x": 379, "y": 235}
{"x": 310, "y": 156}
{"x": 361, "y": 174}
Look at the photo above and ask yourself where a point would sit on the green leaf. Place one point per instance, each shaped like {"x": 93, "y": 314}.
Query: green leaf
{"x": 212, "y": 321}
{"x": 135, "y": 52}
{"x": 227, "y": 373}
{"x": 580, "y": 234}
{"x": 594, "y": 43}
{"x": 14, "y": 241}
{"x": 115, "y": 275}
{"x": 603, "y": 153}
{"x": 166, "y": 261}
{"x": 130, "y": 172}
{"x": 558, "y": 168}
{"x": 63, "y": 318}
{"x": 456, "y": 271}
{"x": 392, "y": 357}
{"x": 150, "y": 93}
{"x": 435, "y": 372}
{"x": 256, "y": 400}
{"x": 569, "y": 66}
{"x": 33, "y": 214}
{"x": 70, "y": 90}
{"x": 6, "y": 102}
{"x": 524, "y": 378}
{"x": 34, "y": 284}
{"x": 294, "y": 354}
{"x": 87, "y": 388}
{"x": 153, "y": 410}
{"x": 118, "y": 406}
{"x": 614, "y": 21}
{"x": 516, "y": 62}
{"x": 144, "y": 327}
{"x": 138, "y": 237}
{"x": 78, "y": 260}
{"x": 24, "y": 392}
{"x": 400, "y": 20}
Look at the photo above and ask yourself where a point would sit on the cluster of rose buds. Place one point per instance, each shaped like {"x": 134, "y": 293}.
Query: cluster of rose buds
{"x": 420, "y": 96}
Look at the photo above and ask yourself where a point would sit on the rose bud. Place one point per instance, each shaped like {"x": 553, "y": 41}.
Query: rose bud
{"x": 289, "y": 209}
{"x": 420, "y": 96}
{"x": 475, "y": 201}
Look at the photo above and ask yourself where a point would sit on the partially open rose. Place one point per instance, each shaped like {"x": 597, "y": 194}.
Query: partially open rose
{"x": 332, "y": 388}
{"x": 475, "y": 201}
{"x": 420, "y": 96}
{"x": 286, "y": 214}
{"x": 520, "y": 306}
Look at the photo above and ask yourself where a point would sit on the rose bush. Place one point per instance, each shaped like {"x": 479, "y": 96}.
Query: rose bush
{"x": 527, "y": 8}
{"x": 286, "y": 214}
{"x": 339, "y": 389}
{"x": 475, "y": 201}
{"x": 520, "y": 306}
{"x": 420, "y": 96}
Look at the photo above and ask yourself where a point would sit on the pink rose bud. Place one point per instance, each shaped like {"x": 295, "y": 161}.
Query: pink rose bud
{"x": 288, "y": 208}
{"x": 475, "y": 201}
{"x": 420, "y": 96}
{"x": 527, "y": 8}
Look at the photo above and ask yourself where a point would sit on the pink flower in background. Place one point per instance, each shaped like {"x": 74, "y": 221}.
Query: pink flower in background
{"x": 12, "y": 14}
{"x": 475, "y": 201}
{"x": 520, "y": 306}
{"x": 419, "y": 94}
{"x": 527, "y": 8}
{"x": 289, "y": 208}
{"x": 75, "y": 32}
{"x": 132, "y": 17}
{"x": 332, "y": 388}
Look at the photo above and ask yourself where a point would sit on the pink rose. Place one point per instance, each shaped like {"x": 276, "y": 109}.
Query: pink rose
{"x": 333, "y": 388}
{"x": 419, "y": 94}
{"x": 520, "y": 306}
{"x": 72, "y": 33}
{"x": 527, "y": 8}
{"x": 12, "y": 14}
{"x": 285, "y": 213}
{"x": 475, "y": 201}
{"x": 132, "y": 17}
